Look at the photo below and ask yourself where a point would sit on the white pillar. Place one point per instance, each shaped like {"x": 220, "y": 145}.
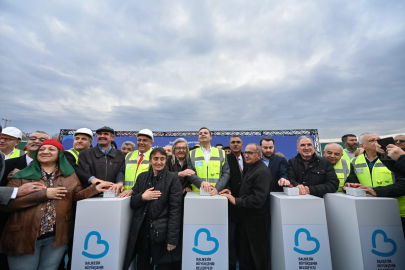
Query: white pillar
{"x": 355, "y": 223}
{"x": 205, "y": 235}
{"x": 101, "y": 233}
{"x": 299, "y": 233}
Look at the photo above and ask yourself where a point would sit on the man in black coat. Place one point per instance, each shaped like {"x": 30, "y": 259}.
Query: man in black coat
{"x": 238, "y": 167}
{"x": 310, "y": 173}
{"x": 277, "y": 165}
{"x": 103, "y": 162}
{"x": 253, "y": 205}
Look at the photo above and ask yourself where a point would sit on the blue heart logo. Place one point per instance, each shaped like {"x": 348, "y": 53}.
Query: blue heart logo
{"x": 309, "y": 238}
{"x": 99, "y": 242}
{"x": 209, "y": 238}
{"x": 386, "y": 240}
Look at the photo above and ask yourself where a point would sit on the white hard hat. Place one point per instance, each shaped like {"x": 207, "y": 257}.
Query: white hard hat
{"x": 13, "y": 132}
{"x": 84, "y": 131}
{"x": 146, "y": 132}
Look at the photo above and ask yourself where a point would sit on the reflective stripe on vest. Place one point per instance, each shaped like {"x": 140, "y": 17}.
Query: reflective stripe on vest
{"x": 131, "y": 171}
{"x": 342, "y": 171}
{"x": 381, "y": 177}
{"x": 75, "y": 154}
{"x": 211, "y": 173}
{"x": 17, "y": 153}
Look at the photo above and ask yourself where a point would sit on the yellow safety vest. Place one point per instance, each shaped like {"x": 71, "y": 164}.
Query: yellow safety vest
{"x": 75, "y": 154}
{"x": 380, "y": 177}
{"x": 213, "y": 171}
{"x": 346, "y": 157}
{"x": 342, "y": 170}
{"x": 131, "y": 172}
{"x": 17, "y": 153}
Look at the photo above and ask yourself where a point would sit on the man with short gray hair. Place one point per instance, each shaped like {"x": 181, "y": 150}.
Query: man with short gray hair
{"x": 310, "y": 173}
{"x": 334, "y": 152}
{"x": 253, "y": 205}
{"x": 127, "y": 147}
{"x": 16, "y": 164}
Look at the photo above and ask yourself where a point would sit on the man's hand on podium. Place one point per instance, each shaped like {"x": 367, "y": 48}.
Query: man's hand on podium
{"x": 103, "y": 186}
{"x": 303, "y": 189}
{"x": 206, "y": 186}
{"x": 283, "y": 182}
{"x": 213, "y": 191}
{"x": 116, "y": 188}
{"x": 368, "y": 190}
{"x": 151, "y": 194}
{"x": 125, "y": 193}
{"x": 227, "y": 193}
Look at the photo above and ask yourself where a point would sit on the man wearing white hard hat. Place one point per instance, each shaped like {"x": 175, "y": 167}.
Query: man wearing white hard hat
{"x": 137, "y": 162}
{"x": 82, "y": 139}
{"x": 9, "y": 139}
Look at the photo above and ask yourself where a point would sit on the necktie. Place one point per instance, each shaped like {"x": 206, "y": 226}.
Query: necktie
{"x": 139, "y": 162}
{"x": 240, "y": 168}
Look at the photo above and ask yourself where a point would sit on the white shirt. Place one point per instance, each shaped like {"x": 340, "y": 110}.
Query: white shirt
{"x": 240, "y": 161}
{"x": 28, "y": 159}
{"x": 207, "y": 153}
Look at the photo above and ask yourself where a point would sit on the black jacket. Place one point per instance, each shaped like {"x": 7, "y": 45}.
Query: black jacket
{"x": 176, "y": 167}
{"x": 93, "y": 162}
{"x": 11, "y": 164}
{"x": 254, "y": 194}
{"x": 79, "y": 172}
{"x": 234, "y": 183}
{"x": 167, "y": 206}
{"x": 319, "y": 175}
{"x": 279, "y": 169}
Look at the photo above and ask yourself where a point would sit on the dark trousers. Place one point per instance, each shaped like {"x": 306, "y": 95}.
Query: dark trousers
{"x": 234, "y": 246}
{"x": 254, "y": 244}
{"x": 403, "y": 224}
{"x": 144, "y": 259}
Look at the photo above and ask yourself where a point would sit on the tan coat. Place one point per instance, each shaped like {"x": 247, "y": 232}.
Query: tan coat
{"x": 20, "y": 233}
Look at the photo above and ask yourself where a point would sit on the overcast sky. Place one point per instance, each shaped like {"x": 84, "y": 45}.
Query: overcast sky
{"x": 336, "y": 66}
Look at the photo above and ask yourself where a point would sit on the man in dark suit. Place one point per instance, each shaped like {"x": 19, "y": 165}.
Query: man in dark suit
{"x": 237, "y": 166}
{"x": 277, "y": 165}
{"x": 16, "y": 164}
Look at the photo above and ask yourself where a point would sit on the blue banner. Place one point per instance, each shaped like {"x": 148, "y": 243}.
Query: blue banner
{"x": 284, "y": 144}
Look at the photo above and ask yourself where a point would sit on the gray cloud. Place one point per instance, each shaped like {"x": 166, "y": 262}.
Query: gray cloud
{"x": 336, "y": 66}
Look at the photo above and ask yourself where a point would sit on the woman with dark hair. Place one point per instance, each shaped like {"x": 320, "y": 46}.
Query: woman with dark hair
{"x": 156, "y": 201}
{"x": 38, "y": 230}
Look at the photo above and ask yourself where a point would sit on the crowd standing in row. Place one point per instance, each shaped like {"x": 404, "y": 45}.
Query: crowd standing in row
{"x": 40, "y": 186}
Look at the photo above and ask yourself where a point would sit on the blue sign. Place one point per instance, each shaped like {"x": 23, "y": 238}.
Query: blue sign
{"x": 309, "y": 239}
{"x": 99, "y": 242}
{"x": 209, "y": 239}
{"x": 386, "y": 240}
{"x": 284, "y": 144}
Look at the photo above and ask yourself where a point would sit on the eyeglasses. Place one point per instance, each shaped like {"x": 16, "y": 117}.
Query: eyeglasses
{"x": 400, "y": 141}
{"x": 236, "y": 142}
{"x": 250, "y": 153}
{"x": 33, "y": 138}
{"x": 143, "y": 140}
{"x": 180, "y": 148}
{"x": 7, "y": 139}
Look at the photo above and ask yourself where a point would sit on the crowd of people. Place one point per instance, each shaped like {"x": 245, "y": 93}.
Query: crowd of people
{"x": 39, "y": 188}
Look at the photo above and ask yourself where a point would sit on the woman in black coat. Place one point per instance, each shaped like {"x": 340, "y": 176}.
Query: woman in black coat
{"x": 156, "y": 201}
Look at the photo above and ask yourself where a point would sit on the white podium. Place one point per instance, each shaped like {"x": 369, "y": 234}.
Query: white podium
{"x": 101, "y": 233}
{"x": 364, "y": 232}
{"x": 299, "y": 233}
{"x": 205, "y": 234}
